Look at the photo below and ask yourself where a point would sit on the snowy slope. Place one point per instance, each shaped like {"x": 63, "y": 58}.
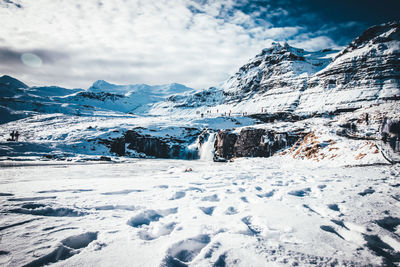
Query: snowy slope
{"x": 10, "y": 87}
{"x": 127, "y": 98}
{"x": 287, "y": 79}
{"x": 100, "y": 98}
{"x": 272, "y": 81}
{"x": 365, "y": 72}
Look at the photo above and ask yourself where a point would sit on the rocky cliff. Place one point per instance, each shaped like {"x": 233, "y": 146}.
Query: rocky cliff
{"x": 253, "y": 143}
{"x": 366, "y": 71}
{"x": 135, "y": 142}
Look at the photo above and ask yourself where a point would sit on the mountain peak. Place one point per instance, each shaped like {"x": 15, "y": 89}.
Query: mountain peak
{"x": 376, "y": 34}
{"x": 100, "y": 84}
{"x": 12, "y": 82}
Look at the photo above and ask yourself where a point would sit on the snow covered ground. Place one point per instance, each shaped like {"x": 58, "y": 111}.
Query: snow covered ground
{"x": 250, "y": 212}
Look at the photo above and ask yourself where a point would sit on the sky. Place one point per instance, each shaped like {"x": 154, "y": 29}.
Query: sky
{"x": 199, "y": 43}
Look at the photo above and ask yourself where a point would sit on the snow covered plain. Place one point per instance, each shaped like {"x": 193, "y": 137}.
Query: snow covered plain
{"x": 250, "y": 212}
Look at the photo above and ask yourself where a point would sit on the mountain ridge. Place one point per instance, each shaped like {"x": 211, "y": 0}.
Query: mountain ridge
{"x": 281, "y": 78}
{"x": 287, "y": 79}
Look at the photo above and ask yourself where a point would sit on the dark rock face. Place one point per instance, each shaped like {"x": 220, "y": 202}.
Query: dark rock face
{"x": 118, "y": 146}
{"x": 225, "y": 144}
{"x": 101, "y": 96}
{"x": 152, "y": 146}
{"x": 252, "y": 143}
{"x": 390, "y": 131}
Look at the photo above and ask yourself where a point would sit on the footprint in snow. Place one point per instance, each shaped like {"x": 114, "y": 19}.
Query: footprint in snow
{"x": 178, "y": 195}
{"x": 367, "y": 192}
{"x": 322, "y": 187}
{"x": 333, "y": 207}
{"x": 230, "y": 211}
{"x": 244, "y": 199}
{"x": 163, "y": 186}
{"x": 212, "y": 198}
{"x": 207, "y": 210}
{"x": 122, "y": 192}
{"x": 69, "y": 247}
{"x": 330, "y": 229}
{"x": 6, "y": 195}
{"x": 389, "y": 223}
{"x": 266, "y": 195}
{"x": 196, "y": 189}
{"x": 157, "y": 231}
{"x": 340, "y": 223}
{"x": 390, "y": 256}
{"x": 31, "y": 198}
{"x": 254, "y": 230}
{"x": 300, "y": 193}
{"x": 148, "y": 216}
{"x": 65, "y": 190}
{"x": 43, "y": 210}
{"x": 184, "y": 252}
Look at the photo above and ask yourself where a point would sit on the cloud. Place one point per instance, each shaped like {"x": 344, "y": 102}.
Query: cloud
{"x": 199, "y": 43}
{"x": 314, "y": 43}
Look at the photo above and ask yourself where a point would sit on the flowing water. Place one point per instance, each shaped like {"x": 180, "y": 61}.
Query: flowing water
{"x": 207, "y": 149}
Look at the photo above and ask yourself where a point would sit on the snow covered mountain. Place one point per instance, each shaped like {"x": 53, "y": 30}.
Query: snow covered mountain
{"x": 287, "y": 79}
{"x": 18, "y": 100}
{"x": 272, "y": 81}
{"x": 281, "y": 83}
{"x": 127, "y": 98}
{"x": 366, "y": 71}
{"x": 279, "y": 73}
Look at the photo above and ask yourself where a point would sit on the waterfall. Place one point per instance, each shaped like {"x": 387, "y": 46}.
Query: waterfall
{"x": 191, "y": 151}
{"x": 207, "y": 148}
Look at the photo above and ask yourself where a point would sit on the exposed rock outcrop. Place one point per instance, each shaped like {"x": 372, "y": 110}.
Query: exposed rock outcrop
{"x": 253, "y": 143}
{"x": 225, "y": 144}
{"x": 153, "y": 146}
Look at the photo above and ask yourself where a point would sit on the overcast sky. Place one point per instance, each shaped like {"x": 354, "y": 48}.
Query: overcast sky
{"x": 199, "y": 43}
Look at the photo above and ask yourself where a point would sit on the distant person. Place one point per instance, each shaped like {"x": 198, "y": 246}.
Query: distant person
{"x": 12, "y": 134}
{"x": 16, "y": 136}
{"x": 367, "y": 118}
{"x": 202, "y": 115}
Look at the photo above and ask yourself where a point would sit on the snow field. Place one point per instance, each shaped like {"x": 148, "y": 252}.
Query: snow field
{"x": 250, "y": 212}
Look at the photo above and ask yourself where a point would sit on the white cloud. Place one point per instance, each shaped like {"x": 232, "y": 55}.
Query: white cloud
{"x": 135, "y": 41}
{"x": 313, "y": 43}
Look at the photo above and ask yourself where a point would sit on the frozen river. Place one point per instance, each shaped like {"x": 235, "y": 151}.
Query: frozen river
{"x": 251, "y": 212}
